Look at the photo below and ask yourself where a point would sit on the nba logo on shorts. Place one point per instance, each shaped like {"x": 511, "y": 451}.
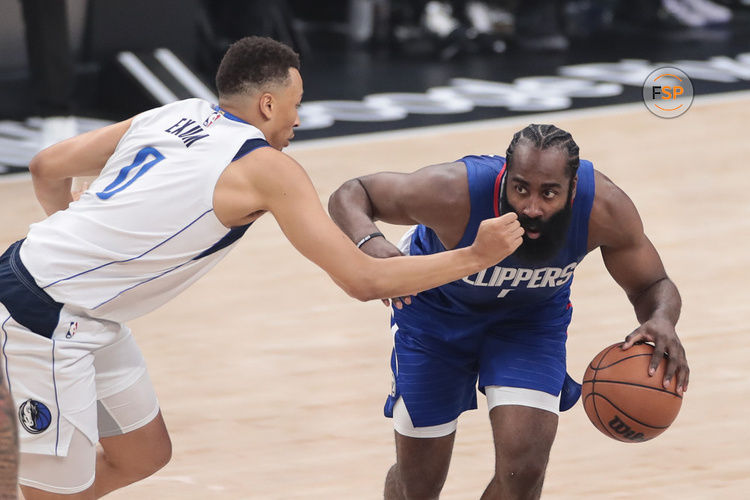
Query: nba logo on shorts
{"x": 72, "y": 329}
{"x": 34, "y": 416}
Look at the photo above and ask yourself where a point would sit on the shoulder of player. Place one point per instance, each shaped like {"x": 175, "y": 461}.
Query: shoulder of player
{"x": 266, "y": 172}
{"x": 614, "y": 220}
{"x": 441, "y": 201}
{"x": 262, "y": 180}
{"x": 449, "y": 180}
{"x": 266, "y": 161}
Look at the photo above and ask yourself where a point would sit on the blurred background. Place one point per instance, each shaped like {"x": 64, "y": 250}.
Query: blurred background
{"x": 70, "y": 65}
{"x": 67, "y": 66}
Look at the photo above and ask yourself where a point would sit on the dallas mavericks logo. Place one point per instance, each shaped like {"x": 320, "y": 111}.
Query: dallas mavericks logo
{"x": 34, "y": 416}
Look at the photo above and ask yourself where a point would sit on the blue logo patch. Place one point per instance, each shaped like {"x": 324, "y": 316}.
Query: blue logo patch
{"x": 35, "y": 417}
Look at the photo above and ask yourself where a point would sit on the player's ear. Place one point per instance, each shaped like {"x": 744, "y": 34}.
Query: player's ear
{"x": 266, "y": 105}
{"x": 575, "y": 185}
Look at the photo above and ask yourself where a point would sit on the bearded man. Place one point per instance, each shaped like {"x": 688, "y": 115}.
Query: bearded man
{"x": 506, "y": 326}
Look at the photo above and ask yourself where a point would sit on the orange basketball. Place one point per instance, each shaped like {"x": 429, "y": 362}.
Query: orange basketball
{"x": 620, "y": 398}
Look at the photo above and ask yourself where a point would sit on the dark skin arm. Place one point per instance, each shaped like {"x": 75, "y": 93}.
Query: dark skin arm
{"x": 635, "y": 265}
{"x": 436, "y": 196}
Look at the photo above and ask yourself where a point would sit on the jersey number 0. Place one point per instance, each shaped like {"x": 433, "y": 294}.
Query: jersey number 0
{"x": 121, "y": 181}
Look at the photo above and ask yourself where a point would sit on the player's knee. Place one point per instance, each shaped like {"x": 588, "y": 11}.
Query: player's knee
{"x": 144, "y": 461}
{"x": 162, "y": 455}
{"x": 159, "y": 456}
{"x": 421, "y": 490}
{"x": 526, "y": 468}
{"x": 417, "y": 486}
{"x": 150, "y": 464}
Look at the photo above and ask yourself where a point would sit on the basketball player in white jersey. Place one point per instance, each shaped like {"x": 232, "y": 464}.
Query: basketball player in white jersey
{"x": 176, "y": 187}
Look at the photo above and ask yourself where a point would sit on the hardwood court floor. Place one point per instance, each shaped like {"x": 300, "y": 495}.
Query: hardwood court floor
{"x": 272, "y": 380}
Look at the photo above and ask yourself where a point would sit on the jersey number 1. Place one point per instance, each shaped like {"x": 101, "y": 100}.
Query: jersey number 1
{"x": 120, "y": 183}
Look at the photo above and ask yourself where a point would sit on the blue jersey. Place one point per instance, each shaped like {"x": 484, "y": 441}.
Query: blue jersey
{"x": 512, "y": 293}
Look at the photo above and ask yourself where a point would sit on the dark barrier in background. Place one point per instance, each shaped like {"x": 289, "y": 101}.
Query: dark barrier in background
{"x": 98, "y": 30}
{"x": 140, "y": 25}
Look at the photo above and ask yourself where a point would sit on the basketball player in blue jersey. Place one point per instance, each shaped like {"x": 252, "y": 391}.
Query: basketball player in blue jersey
{"x": 177, "y": 186}
{"x": 506, "y": 325}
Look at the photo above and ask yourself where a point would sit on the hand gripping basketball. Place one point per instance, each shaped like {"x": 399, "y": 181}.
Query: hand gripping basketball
{"x": 666, "y": 345}
{"x": 623, "y": 400}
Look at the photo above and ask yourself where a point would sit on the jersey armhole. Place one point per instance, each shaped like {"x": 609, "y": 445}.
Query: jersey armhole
{"x": 249, "y": 146}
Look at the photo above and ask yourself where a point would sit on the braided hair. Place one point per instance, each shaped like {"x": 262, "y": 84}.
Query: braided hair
{"x": 544, "y": 137}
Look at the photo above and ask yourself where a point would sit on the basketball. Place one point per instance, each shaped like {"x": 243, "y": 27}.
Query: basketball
{"x": 622, "y": 400}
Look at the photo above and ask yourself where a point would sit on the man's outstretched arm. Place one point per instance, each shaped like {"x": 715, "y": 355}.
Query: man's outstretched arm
{"x": 634, "y": 263}
{"x": 271, "y": 181}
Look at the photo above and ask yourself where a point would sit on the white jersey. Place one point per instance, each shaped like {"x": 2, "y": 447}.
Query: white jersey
{"x": 145, "y": 229}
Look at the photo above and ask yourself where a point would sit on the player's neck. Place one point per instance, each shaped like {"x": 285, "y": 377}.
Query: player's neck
{"x": 241, "y": 110}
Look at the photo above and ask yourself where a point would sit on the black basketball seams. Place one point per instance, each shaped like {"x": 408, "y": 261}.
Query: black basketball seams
{"x": 660, "y": 389}
{"x": 600, "y": 367}
{"x": 598, "y": 417}
{"x": 591, "y": 365}
{"x": 622, "y": 412}
{"x": 593, "y": 402}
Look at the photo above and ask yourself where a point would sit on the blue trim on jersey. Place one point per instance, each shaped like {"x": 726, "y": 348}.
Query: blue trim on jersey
{"x": 249, "y": 146}
{"x": 233, "y": 235}
{"x": 27, "y": 304}
{"x": 142, "y": 283}
{"x": 132, "y": 258}
{"x": 229, "y": 115}
{"x": 57, "y": 402}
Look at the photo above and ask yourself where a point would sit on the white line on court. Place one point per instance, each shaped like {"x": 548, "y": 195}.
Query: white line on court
{"x": 546, "y": 117}
{"x": 408, "y": 133}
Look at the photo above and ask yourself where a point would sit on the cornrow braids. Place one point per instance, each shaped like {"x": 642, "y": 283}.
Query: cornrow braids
{"x": 544, "y": 137}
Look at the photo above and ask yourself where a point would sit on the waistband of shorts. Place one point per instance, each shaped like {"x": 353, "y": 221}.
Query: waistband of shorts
{"x": 24, "y": 276}
{"x": 27, "y": 303}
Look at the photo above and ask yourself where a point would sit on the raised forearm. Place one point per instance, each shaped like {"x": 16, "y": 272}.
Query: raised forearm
{"x": 660, "y": 300}
{"x": 53, "y": 194}
{"x": 351, "y": 209}
{"x": 402, "y": 276}
{"x": 398, "y": 276}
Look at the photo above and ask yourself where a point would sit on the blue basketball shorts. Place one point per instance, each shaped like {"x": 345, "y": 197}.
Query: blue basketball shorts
{"x": 437, "y": 378}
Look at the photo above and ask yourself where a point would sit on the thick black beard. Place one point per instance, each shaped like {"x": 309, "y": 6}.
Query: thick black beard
{"x": 552, "y": 233}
